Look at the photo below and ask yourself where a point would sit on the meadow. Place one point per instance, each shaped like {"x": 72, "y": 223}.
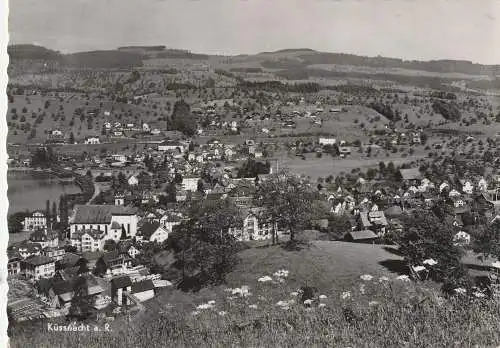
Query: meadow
{"x": 359, "y": 302}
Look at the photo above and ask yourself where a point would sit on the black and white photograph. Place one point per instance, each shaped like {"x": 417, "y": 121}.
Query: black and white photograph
{"x": 250, "y": 173}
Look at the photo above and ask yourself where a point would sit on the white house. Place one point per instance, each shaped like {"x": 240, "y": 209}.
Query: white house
{"x": 171, "y": 145}
{"x": 145, "y": 127}
{"x": 327, "y": 141}
{"x": 143, "y": 290}
{"x": 252, "y": 229}
{"x": 89, "y": 240}
{"x": 133, "y": 181}
{"x": 35, "y": 221}
{"x": 92, "y": 140}
{"x": 482, "y": 185}
{"x": 190, "y": 183}
{"x": 37, "y": 267}
{"x": 111, "y": 219}
{"x": 468, "y": 188}
{"x": 153, "y": 232}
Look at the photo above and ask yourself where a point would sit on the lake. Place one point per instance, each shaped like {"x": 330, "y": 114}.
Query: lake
{"x": 30, "y": 191}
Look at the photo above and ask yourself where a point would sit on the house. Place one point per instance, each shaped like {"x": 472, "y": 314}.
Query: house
{"x": 143, "y": 290}
{"x": 113, "y": 220}
{"x": 168, "y": 145}
{"x": 411, "y": 176}
{"x": 37, "y": 267}
{"x": 152, "y": 232}
{"x": 344, "y": 151}
{"x": 190, "y": 183}
{"x": 327, "y": 141}
{"x": 88, "y": 240}
{"x": 170, "y": 220}
{"x": 374, "y": 221}
{"x": 132, "y": 180}
{"x": 119, "y": 157}
{"x": 461, "y": 238}
{"x": 251, "y": 228}
{"x": 45, "y": 238}
{"x": 92, "y": 140}
{"x": 26, "y": 249}
{"x": 56, "y": 253}
{"x": 37, "y": 220}
{"x": 119, "y": 285}
{"x": 364, "y": 236}
{"x": 114, "y": 262}
{"x": 14, "y": 265}
{"x": 130, "y": 249}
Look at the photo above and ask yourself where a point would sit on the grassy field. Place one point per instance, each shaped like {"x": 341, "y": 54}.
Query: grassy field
{"x": 376, "y": 310}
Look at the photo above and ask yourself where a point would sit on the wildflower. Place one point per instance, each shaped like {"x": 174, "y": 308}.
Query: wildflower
{"x": 366, "y": 277}
{"x": 322, "y": 297}
{"x": 383, "y": 279}
{"x": 281, "y": 273}
{"x": 253, "y": 306}
{"x": 373, "y": 303}
{"x": 430, "y": 262}
{"x": 417, "y": 269}
{"x": 205, "y": 306}
{"x": 460, "y": 291}
{"x": 265, "y": 279}
{"x": 308, "y": 301}
{"x": 321, "y": 305}
{"x": 222, "y": 313}
{"x": 479, "y": 294}
{"x": 403, "y": 277}
{"x": 496, "y": 264}
{"x": 345, "y": 295}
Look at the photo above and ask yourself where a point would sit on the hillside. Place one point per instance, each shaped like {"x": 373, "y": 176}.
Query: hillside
{"x": 363, "y": 304}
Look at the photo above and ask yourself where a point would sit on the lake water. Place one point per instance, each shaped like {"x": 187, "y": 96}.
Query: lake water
{"x": 30, "y": 191}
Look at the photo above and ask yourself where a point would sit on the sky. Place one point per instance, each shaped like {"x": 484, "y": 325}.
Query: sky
{"x": 408, "y": 29}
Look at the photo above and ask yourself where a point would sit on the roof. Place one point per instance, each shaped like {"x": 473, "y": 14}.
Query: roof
{"x": 410, "y": 174}
{"x": 394, "y": 210}
{"x": 39, "y": 260}
{"x": 62, "y": 287}
{"x": 100, "y": 213}
{"x": 142, "y": 286}
{"x": 70, "y": 259}
{"x": 148, "y": 228}
{"x": 361, "y": 235}
{"x": 121, "y": 282}
{"x": 114, "y": 255}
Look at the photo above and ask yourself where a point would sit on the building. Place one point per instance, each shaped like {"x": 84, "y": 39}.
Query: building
{"x": 411, "y": 176}
{"x": 113, "y": 220}
{"x": 92, "y": 140}
{"x": 251, "y": 228}
{"x": 113, "y": 263}
{"x": 118, "y": 286}
{"x": 56, "y": 253}
{"x": 14, "y": 265}
{"x": 153, "y": 232}
{"x": 190, "y": 183}
{"x": 364, "y": 236}
{"x": 143, "y": 290}
{"x": 133, "y": 181}
{"x": 88, "y": 240}
{"x": 46, "y": 239}
{"x": 168, "y": 145}
{"x": 169, "y": 221}
{"x": 327, "y": 141}
{"x": 37, "y": 267}
{"x": 35, "y": 221}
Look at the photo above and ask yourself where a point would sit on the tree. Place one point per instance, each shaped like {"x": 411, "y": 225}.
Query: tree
{"x": 15, "y": 222}
{"x": 425, "y": 236}
{"x": 54, "y": 213}
{"x": 338, "y": 225}
{"x": 487, "y": 240}
{"x": 47, "y": 210}
{"x": 81, "y": 303}
{"x": 204, "y": 247}
{"x": 109, "y": 245}
{"x": 182, "y": 119}
{"x": 287, "y": 201}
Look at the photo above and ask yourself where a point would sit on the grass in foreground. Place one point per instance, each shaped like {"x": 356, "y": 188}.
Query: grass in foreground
{"x": 265, "y": 311}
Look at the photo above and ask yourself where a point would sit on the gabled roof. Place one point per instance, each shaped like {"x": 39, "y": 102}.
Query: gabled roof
{"x": 100, "y": 214}
{"x": 39, "y": 260}
{"x": 142, "y": 286}
{"x": 362, "y": 235}
{"x": 410, "y": 174}
{"x": 121, "y": 282}
{"x": 148, "y": 228}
